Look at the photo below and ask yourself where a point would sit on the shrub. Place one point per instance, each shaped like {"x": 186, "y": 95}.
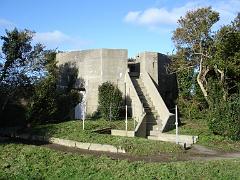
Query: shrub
{"x": 224, "y": 118}
{"x": 109, "y": 98}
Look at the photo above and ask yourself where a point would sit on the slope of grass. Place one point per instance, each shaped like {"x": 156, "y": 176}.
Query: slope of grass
{"x": 19, "y": 161}
{"x": 206, "y": 137}
{"x": 73, "y": 130}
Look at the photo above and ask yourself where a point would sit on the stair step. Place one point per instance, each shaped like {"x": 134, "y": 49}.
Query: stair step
{"x": 157, "y": 128}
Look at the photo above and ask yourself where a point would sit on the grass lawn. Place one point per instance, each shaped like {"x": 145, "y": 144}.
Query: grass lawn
{"x": 19, "y": 161}
{"x": 206, "y": 137}
{"x": 73, "y": 130}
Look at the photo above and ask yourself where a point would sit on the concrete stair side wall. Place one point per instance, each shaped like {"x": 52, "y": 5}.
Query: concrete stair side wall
{"x": 157, "y": 101}
{"x": 138, "y": 112}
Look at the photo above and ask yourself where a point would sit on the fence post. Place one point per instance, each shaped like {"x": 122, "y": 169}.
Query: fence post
{"x": 126, "y": 125}
{"x": 176, "y": 123}
{"x": 84, "y": 111}
{"x": 110, "y": 114}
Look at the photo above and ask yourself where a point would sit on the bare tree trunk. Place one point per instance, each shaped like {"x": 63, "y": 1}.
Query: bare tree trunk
{"x": 200, "y": 79}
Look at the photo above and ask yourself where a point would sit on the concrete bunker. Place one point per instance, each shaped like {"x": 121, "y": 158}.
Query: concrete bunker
{"x": 150, "y": 89}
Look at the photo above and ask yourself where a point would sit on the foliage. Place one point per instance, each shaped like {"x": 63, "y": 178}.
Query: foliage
{"x": 20, "y": 161}
{"x": 224, "y": 116}
{"x": 54, "y": 96}
{"x": 200, "y": 127}
{"x": 73, "y": 130}
{"x": 109, "y": 100}
{"x": 207, "y": 66}
{"x": 195, "y": 38}
{"x": 21, "y": 65}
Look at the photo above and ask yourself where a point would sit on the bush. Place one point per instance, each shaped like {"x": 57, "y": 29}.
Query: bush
{"x": 224, "y": 118}
{"x": 109, "y": 96}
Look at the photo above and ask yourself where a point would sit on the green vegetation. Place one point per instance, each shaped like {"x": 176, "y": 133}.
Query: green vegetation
{"x": 32, "y": 162}
{"x": 21, "y": 64}
{"x": 55, "y": 95}
{"x": 73, "y": 130}
{"x": 207, "y": 64}
{"x": 109, "y": 100}
{"x": 32, "y": 86}
{"x": 206, "y": 137}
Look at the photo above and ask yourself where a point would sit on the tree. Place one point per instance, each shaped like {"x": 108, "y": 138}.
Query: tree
{"x": 109, "y": 100}
{"x": 214, "y": 60}
{"x": 55, "y": 95}
{"x": 224, "y": 114}
{"x": 21, "y": 65}
{"x": 195, "y": 38}
{"x": 226, "y": 57}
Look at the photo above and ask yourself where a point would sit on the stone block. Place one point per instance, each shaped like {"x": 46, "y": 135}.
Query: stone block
{"x": 121, "y": 150}
{"x": 65, "y": 142}
{"x": 103, "y": 147}
{"x": 81, "y": 145}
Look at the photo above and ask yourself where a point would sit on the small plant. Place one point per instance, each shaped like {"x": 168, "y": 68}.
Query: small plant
{"x": 109, "y": 100}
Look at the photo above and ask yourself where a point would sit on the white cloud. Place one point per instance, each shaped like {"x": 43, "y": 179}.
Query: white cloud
{"x": 162, "y": 18}
{"x": 54, "y": 37}
{"x": 132, "y": 16}
{"x": 6, "y": 23}
{"x": 58, "y": 39}
{"x": 153, "y": 17}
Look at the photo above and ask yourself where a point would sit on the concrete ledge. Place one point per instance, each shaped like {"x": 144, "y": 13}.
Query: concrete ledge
{"x": 70, "y": 143}
{"x": 103, "y": 147}
{"x": 81, "y": 145}
{"x": 120, "y": 150}
{"x": 115, "y": 132}
{"x": 63, "y": 142}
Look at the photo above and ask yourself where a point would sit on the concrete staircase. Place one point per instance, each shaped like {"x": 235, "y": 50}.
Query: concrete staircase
{"x": 153, "y": 122}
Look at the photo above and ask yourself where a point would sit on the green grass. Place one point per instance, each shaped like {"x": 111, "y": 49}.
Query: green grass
{"x": 206, "y": 137}
{"x": 73, "y": 130}
{"x": 19, "y": 161}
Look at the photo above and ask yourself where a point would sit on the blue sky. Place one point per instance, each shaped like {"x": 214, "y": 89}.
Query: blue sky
{"x": 136, "y": 25}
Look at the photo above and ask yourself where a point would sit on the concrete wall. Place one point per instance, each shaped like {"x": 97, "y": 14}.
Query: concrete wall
{"x": 114, "y": 66}
{"x": 156, "y": 65}
{"x": 95, "y": 67}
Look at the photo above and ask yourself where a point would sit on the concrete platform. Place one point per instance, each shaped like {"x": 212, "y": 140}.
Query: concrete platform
{"x": 115, "y": 132}
{"x": 184, "y": 140}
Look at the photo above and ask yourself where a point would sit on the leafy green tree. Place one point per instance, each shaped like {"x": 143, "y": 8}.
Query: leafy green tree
{"x": 226, "y": 57}
{"x": 21, "y": 65}
{"x": 109, "y": 100}
{"x": 55, "y": 96}
{"x": 210, "y": 60}
{"x": 195, "y": 38}
{"x": 224, "y": 114}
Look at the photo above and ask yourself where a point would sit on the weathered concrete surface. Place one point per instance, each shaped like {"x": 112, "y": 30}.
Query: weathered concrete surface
{"x": 81, "y": 145}
{"x": 66, "y": 142}
{"x": 95, "y": 67}
{"x": 103, "y": 147}
{"x": 115, "y": 132}
{"x": 155, "y": 64}
{"x": 184, "y": 140}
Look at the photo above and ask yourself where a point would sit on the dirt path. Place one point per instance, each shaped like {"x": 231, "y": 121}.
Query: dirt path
{"x": 197, "y": 152}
